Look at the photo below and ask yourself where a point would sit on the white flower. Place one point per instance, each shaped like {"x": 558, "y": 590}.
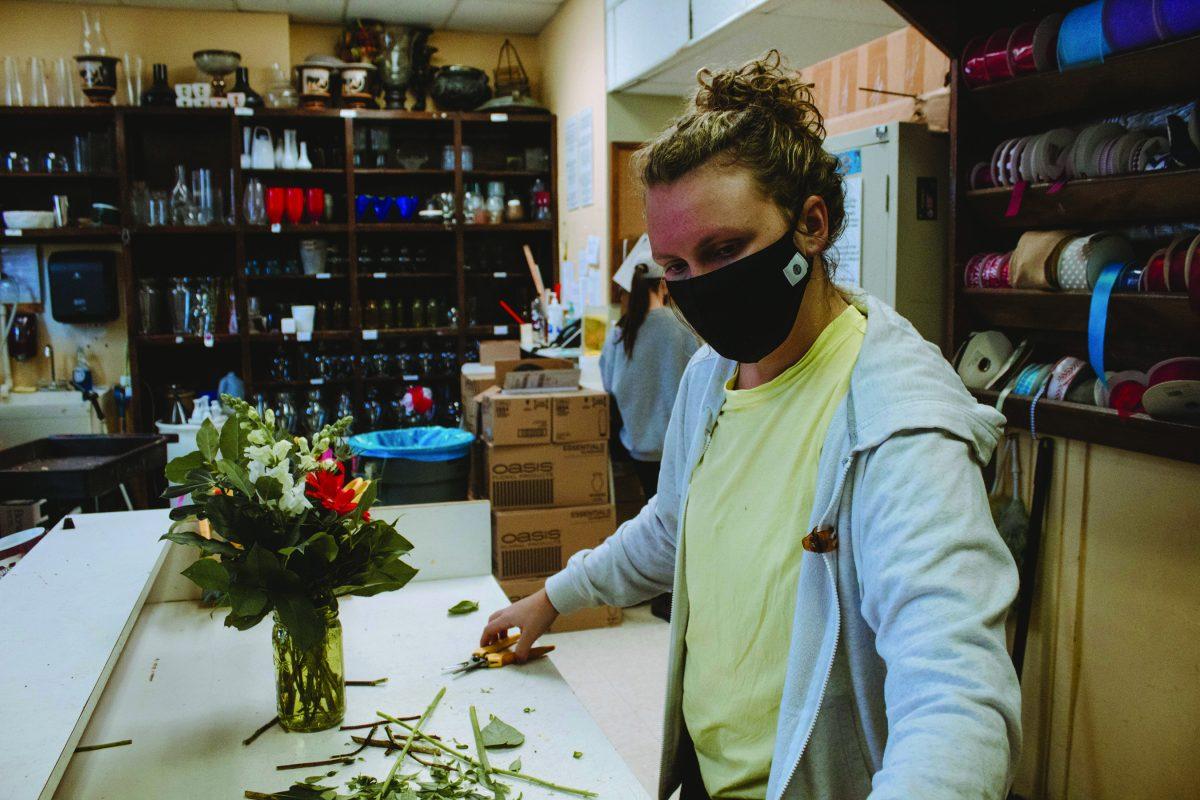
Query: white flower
{"x": 257, "y": 436}
{"x": 269, "y": 418}
{"x": 308, "y": 463}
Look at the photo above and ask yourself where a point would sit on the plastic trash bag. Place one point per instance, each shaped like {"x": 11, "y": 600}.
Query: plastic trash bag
{"x": 429, "y": 443}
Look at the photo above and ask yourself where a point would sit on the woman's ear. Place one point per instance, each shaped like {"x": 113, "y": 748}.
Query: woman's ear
{"x": 812, "y": 227}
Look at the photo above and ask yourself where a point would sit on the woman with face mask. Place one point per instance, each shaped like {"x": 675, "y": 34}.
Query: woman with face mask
{"x": 840, "y": 588}
{"x": 641, "y": 364}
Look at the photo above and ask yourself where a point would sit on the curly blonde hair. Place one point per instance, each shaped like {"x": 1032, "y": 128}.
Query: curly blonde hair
{"x": 760, "y": 116}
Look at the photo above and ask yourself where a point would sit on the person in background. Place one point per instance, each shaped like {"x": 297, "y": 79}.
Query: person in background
{"x": 641, "y": 363}
{"x": 840, "y": 590}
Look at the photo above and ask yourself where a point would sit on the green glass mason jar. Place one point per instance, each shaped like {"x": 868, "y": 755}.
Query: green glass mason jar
{"x": 310, "y": 685}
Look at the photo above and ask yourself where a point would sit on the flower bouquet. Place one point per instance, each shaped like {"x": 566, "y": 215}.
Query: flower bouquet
{"x": 281, "y": 531}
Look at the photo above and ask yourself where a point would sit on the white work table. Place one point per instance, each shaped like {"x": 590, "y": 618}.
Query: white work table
{"x": 188, "y": 690}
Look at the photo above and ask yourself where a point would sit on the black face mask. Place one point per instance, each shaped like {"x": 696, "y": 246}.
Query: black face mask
{"x": 747, "y": 308}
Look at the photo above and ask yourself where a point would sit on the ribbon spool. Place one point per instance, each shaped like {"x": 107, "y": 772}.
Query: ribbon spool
{"x": 1176, "y": 18}
{"x": 1174, "y": 271}
{"x": 1129, "y": 24}
{"x": 1102, "y": 249}
{"x": 1125, "y": 392}
{"x": 995, "y": 58}
{"x": 974, "y": 62}
{"x": 1098, "y": 316}
{"x": 1064, "y": 373}
{"x": 1020, "y": 49}
{"x": 1034, "y": 263}
{"x": 1072, "y": 265}
{"x": 1173, "y": 390}
{"x": 1047, "y": 154}
{"x": 981, "y": 176}
{"x": 1085, "y": 152}
{"x": 1081, "y": 37}
{"x": 1045, "y": 43}
{"x": 984, "y": 355}
{"x": 1083, "y": 390}
{"x": 1152, "y": 279}
{"x": 1149, "y": 151}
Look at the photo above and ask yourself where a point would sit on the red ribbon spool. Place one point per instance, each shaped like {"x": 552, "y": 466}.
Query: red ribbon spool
{"x": 995, "y": 58}
{"x": 1020, "y": 50}
{"x": 974, "y": 62}
{"x": 1126, "y": 397}
{"x": 1175, "y": 266}
{"x": 1184, "y": 368}
{"x": 1152, "y": 279}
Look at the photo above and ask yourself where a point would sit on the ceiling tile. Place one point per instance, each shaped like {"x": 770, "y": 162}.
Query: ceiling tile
{"x": 317, "y": 10}
{"x": 430, "y": 13}
{"x": 501, "y": 16}
{"x": 267, "y": 6}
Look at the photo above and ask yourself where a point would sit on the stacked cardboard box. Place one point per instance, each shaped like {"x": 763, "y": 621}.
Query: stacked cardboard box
{"x": 545, "y": 467}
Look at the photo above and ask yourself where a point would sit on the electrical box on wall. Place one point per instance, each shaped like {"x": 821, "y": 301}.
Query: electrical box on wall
{"x": 83, "y": 285}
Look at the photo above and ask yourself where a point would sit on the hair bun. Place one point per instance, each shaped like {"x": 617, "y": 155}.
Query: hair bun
{"x": 762, "y": 85}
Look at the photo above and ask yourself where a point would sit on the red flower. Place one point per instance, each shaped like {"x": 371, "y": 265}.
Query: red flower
{"x": 329, "y": 488}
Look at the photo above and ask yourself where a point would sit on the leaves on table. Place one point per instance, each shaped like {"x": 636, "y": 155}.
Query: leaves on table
{"x": 463, "y": 607}
{"x": 529, "y": 710}
{"x": 498, "y": 734}
{"x": 515, "y": 766}
{"x": 577, "y": 754}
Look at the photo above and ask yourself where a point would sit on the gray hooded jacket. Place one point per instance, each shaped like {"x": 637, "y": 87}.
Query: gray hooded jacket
{"x": 898, "y": 683}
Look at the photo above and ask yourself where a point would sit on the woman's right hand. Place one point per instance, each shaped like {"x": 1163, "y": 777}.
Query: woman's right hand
{"x": 533, "y": 615}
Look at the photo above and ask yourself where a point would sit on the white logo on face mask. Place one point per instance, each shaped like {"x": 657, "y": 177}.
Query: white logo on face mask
{"x": 796, "y": 269}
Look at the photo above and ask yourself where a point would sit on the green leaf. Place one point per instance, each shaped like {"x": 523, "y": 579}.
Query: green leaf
{"x": 206, "y": 439}
{"x": 187, "y": 512}
{"x": 577, "y": 754}
{"x": 269, "y": 488}
{"x": 386, "y": 577}
{"x": 236, "y": 475}
{"x": 207, "y": 546}
{"x": 463, "y": 607}
{"x": 301, "y": 619}
{"x": 233, "y": 439}
{"x": 246, "y": 601}
{"x": 499, "y": 733}
{"x": 208, "y": 574}
{"x": 515, "y": 766}
{"x": 198, "y": 480}
{"x": 178, "y": 468}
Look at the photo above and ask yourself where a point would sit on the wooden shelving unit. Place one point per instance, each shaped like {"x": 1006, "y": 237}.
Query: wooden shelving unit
{"x": 1142, "y": 328}
{"x": 147, "y": 143}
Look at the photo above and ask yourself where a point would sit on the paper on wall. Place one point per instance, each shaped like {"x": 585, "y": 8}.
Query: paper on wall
{"x": 849, "y": 245}
{"x": 591, "y": 255}
{"x": 579, "y": 159}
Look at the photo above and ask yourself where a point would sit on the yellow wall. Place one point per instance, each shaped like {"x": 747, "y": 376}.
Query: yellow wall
{"x": 638, "y": 117}
{"x": 453, "y": 47}
{"x": 168, "y": 36}
{"x": 1111, "y": 696}
{"x": 571, "y": 50}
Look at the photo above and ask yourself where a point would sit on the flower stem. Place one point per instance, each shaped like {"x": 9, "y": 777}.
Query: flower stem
{"x": 518, "y": 775}
{"x": 485, "y": 768}
{"x": 387, "y": 784}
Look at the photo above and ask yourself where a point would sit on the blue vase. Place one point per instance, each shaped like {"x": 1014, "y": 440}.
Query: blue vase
{"x": 407, "y": 206}
{"x": 362, "y": 204}
{"x": 382, "y": 205}
{"x": 232, "y": 385}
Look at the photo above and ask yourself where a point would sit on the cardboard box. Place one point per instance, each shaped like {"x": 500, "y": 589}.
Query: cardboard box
{"x": 473, "y": 381}
{"x": 601, "y": 617}
{"x": 547, "y": 475}
{"x": 494, "y": 350}
{"x": 514, "y": 419}
{"x": 536, "y": 543}
{"x": 19, "y": 515}
{"x": 580, "y": 416}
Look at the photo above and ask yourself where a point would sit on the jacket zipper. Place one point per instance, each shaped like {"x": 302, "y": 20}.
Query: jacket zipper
{"x": 837, "y": 630}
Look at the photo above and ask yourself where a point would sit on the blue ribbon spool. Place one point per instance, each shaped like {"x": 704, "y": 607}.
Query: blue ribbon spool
{"x": 1110, "y": 276}
{"x": 1177, "y": 18}
{"x": 1081, "y": 39}
{"x": 1129, "y": 24}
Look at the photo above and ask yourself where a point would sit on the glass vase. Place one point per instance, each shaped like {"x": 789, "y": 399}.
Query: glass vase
{"x": 310, "y": 684}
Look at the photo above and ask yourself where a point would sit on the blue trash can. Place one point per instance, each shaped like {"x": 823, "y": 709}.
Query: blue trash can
{"x": 416, "y": 465}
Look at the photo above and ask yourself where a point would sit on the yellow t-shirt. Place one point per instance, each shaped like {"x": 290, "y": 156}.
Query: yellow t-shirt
{"x": 748, "y": 506}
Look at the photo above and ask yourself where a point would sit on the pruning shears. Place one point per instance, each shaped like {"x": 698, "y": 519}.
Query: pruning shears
{"x": 496, "y": 655}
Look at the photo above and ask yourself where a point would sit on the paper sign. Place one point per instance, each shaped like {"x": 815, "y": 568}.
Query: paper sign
{"x": 499, "y": 117}
{"x": 370, "y": 335}
{"x": 379, "y": 275}
{"x": 411, "y": 378}
{"x": 578, "y": 152}
{"x": 500, "y": 330}
{"x": 242, "y": 111}
{"x": 348, "y": 113}
{"x": 591, "y": 255}
{"x": 849, "y": 244}
{"x": 501, "y": 275}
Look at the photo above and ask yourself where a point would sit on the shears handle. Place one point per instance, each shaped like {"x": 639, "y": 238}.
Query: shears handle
{"x": 496, "y": 647}
{"x": 495, "y": 660}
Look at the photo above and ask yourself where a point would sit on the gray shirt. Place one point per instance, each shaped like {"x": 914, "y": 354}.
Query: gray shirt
{"x": 644, "y": 385}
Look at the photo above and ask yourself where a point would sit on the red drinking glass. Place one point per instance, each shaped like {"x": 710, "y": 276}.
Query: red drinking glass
{"x": 295, "y": 204}
{"x": 314, "y": 203}
{"x": 275, "y": 203}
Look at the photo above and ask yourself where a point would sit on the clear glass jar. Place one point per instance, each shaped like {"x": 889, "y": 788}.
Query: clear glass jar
{"x": 495, "y": 209}
{"x": 310, "y": 685}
